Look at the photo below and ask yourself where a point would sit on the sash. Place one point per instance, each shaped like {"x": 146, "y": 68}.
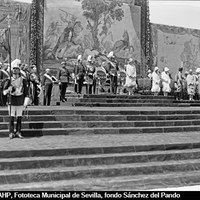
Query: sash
{"x": 5, "y": 72}
{"x": 23, "y": 73}
{"x": 49, "y": 77}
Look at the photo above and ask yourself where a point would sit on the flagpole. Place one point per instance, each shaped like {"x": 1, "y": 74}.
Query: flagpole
{"x": 10, "y": 59}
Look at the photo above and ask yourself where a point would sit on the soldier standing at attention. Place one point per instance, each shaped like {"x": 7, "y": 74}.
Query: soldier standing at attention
{"x": 47, "y": 84}
{"x": 79, "y": 73}
{"x": 17, "y": 89}
{"x": 63, "y": 78}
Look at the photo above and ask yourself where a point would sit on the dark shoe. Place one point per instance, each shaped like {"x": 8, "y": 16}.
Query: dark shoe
{"x": 11, "y": 135}
{"x": 19, "y": 135}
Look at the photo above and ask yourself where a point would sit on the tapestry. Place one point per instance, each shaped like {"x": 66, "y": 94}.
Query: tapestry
{"x": 19, "y": 14}
{"x": 87, "y": 27}
{"x": 175, "y": 47}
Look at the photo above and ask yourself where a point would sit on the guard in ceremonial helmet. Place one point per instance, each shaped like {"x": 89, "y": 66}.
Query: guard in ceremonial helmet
{"x": 90, "y": 70}
{"x": 112, "y": 69}
{"x": 17, "y": 89}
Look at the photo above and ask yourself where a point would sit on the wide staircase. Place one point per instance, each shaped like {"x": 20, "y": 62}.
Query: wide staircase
{"x": 103, "y": 148}
{"x": 136, "y": 100}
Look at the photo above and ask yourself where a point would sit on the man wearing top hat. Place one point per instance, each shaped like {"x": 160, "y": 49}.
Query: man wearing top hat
{"x": 17, "y": 89}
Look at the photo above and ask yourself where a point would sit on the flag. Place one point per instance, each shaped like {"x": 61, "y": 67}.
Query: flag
{"x": 4, "y": 39}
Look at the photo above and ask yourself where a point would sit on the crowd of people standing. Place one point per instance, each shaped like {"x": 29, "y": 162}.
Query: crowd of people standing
{"x": 85, "y": 73}
{"x": 185, "y": 86}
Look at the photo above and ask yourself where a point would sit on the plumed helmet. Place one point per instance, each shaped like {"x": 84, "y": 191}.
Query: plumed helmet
{"x": 79, "y": 57}
{"x": 89, "y": 58}
{"x": 198, "y": 70}
{"x": 156, "y": 68}
{"x": 15, "y": 64}
{"x": 111, "y": 54}
{"x": 166, "y": 69}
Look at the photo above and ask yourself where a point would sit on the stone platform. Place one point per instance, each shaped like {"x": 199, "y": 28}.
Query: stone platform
{"x": 98, "y": 148}
{"x": 100, "y": 162}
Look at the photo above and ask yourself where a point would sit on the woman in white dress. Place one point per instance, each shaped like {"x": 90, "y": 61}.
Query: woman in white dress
{"x": 166, "y": 81}
{"x": 130, "y": 83}
{"x": 198, "y": 82}
{"x": 191, "y": 84}
{"x": 155, "y": 81}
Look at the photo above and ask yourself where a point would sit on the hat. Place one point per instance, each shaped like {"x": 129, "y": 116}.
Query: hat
{"x": 47, "y": 70}
{"x": 149, "y": 71}
{"x": 62, "y": 63}
{"x": 190, "y": 70}
{"x": 111, "y": 54}
{"x": 79, "y": 57}
{"x": 186, "y": 72}
{"x": 156, "y": 68}
{"x": 166, "y": 69}
{"x": 198, "y": 70}
{"x": 89, "y": 58}
{"x": 130, "y": 60}
{"x": 15, "y": 64}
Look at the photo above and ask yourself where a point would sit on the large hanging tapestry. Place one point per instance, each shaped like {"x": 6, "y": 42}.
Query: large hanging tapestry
{"x": 87, "y": 27}
{"x": 169, "y": 41}
{"x": 19, "y": 14}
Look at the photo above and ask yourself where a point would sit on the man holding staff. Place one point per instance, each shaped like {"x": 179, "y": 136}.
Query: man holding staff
{"x": 17, "y": 90}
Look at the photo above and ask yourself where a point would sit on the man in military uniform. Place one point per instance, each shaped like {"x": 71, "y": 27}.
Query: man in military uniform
{"x": 79, "y": 73}
{"x": 17, "y": 89}
{"x": 47, "y": 85}
{"x": 4, "y": 75}
{"x": 112, "y": 69}
{"x": 63, "y": 78}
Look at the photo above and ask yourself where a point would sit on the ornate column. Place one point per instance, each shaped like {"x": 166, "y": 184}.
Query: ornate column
{"x": 36, "y": 34}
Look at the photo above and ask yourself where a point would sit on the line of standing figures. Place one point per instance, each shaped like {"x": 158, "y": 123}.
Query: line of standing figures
{"x": 185, "y": 85}
{"x": 85, "y": 72}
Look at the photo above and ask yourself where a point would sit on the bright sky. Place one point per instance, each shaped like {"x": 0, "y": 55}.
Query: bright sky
{"x": 184, "y": 13}
{"x": 177, "y": 13}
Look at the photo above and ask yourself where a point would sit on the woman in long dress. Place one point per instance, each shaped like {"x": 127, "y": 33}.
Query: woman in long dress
{"x": 166, "y": 81}
{"x": 191, "y": 83}
{"x": 155, "y": 81}
{"x": 130, "y": 83}
{"x": 198, "y": 82}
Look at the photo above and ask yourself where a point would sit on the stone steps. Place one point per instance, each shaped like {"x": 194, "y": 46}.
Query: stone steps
{"x": 96, "y": 159}
{"x": 136, "y": 96}
{"x": 96, "y": 104}
{"x": 81, "y": 172}
{"x": 120, "y": 100}
{"x": 104, "y": 124}
{"x": 108, "y": 100}
{"x": 95, "y": 111}
{"x": 135, "y": 161}
{"x": 134, "y": 167}
{"x": 102, "y": 118}
{"x": 101, "y": 130}
{"x": 122, "y": 183}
